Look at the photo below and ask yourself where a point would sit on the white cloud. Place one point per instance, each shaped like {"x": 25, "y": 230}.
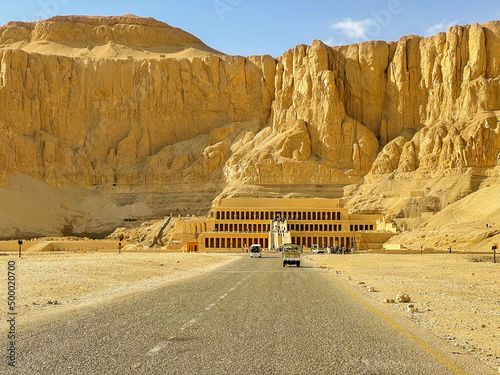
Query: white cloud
{"x": 332, "y": 42}
{"x": 439, "y": 27}
{"x": 354, "y": 29}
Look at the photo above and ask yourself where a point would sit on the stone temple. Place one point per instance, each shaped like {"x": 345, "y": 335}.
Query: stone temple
{"x": 238, "y": 223}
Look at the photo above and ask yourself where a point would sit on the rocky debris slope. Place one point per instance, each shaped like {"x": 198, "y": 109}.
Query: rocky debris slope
{"x": 471, "y": 223}
{"x": 146, "y": 233}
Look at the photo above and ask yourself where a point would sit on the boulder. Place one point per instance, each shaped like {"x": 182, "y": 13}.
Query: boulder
{"x": 403, "y": 297}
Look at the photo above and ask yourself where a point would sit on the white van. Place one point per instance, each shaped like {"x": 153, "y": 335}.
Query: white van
{"x": 316, "y": 249}
{"x": 255, "y": 251}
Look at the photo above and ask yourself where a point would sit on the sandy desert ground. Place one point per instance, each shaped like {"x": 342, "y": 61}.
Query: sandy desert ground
{"x": 455, "y": 296}
{"x": 52, "y": 283}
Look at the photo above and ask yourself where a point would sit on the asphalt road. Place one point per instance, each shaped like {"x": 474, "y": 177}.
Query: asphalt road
{"x": 249, "y": 317}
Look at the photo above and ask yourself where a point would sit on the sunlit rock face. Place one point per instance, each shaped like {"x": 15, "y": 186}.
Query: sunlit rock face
{"x": 133, "y": 104}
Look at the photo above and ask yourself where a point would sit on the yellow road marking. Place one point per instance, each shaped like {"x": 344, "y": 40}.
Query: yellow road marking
{"x": 426, "y": 347}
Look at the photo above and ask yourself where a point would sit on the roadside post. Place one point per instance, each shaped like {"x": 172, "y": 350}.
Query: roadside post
{"x": 494, "y": 248}
{"x": 421, "y": 250}
{"x": 119, "y": 247}
{"x": 20, "y": 243}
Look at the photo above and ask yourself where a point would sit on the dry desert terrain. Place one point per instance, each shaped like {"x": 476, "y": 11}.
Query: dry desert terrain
{"x": 456, "y": 296}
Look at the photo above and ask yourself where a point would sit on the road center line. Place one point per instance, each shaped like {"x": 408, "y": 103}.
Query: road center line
{"x": 163, "y": 344}
{"x": 188, "y": 324}
{"x": 209, "y": 307}
{"x": 157, "y": 348}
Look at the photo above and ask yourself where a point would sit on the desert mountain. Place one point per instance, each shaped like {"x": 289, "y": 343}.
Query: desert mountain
{"x": 144, "y": 119}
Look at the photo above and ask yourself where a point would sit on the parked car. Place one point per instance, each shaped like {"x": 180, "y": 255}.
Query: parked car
{"x": 316, "y": 249}
{"x": 255, "y": 251}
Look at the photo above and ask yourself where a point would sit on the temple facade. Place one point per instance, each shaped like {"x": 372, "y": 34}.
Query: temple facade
{"x": 238, "y": 223}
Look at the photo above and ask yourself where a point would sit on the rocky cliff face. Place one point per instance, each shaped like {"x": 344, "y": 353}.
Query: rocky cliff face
{"x": 98, "y": 120}
{"x": 98, "y": 101}
{"x": 443, "y": 149}
{"x": 430, "y": 101}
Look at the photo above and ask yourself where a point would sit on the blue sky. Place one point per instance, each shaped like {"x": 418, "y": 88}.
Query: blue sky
{"x": 251, "y": 27}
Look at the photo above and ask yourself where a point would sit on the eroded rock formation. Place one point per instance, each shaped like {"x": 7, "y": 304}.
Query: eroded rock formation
{"x": 132, "y": 102}
{"x": 441, "y": 149}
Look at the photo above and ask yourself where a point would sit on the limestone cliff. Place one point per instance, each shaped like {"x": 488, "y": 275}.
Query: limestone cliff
{"x": 133, "y": 105}
{"x": 99, "y": 119}
{"x": 443, "y": 148}
{"x": 341, "y": 104}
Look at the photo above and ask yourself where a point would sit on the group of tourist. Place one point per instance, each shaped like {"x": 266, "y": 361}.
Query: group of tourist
{"x": 330, "y": 250}
{"x": 339, "y": 250}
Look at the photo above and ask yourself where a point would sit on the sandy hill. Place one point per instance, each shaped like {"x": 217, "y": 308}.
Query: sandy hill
{"x": 136, "y": 113}
{"x": 471, "y": 223}
{"x": 117, "y": 37}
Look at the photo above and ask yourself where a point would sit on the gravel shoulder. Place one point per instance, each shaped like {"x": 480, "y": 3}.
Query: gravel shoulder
{"x": 455, "y": 296}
